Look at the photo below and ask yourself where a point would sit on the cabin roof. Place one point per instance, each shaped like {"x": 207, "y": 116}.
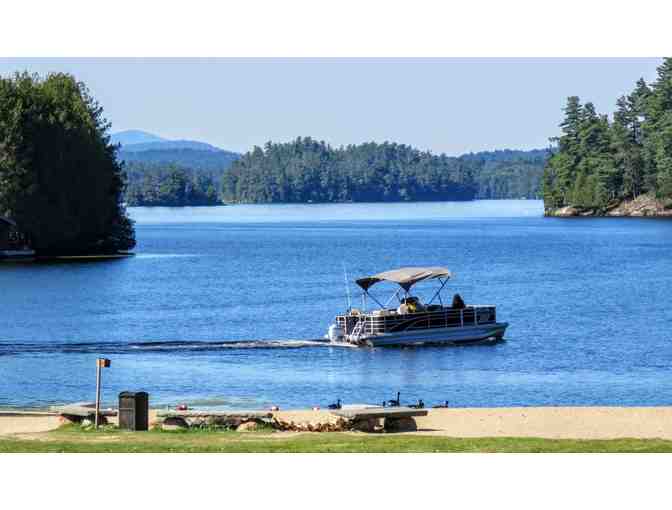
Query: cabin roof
{"x": 405, "y": 277}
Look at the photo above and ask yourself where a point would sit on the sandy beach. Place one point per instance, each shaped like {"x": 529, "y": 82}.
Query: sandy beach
{"x": 542, "y": 422}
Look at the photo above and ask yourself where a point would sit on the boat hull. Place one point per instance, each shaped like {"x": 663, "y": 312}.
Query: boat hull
{"x": 448, "y": 336}
{"x": 10, "y": 255}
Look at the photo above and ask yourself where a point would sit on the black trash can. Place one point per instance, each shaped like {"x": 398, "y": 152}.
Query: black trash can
{"x": 133, "y": 410}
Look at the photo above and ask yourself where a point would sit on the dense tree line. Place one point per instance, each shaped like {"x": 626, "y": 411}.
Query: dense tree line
{"x": 171, "y": 185}
{"x": 600, "y": 162}
{"x": 306, "y": 170}
{"x": 209, "y": 160}
{"x": 509, "y": 173}
{"x": 59, "y": 176}
{"x": 496, "y": 175}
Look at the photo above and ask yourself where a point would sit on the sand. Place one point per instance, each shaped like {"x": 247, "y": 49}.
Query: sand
{"x": 552, "y": 422}
{"x": 547, "y": 422}
{"x": 27, "y": 423}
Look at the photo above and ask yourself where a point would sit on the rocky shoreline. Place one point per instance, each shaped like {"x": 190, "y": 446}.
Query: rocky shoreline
{"x": 644, "y": 206}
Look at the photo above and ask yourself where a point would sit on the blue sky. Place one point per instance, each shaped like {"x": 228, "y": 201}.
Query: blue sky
{"x": 444, "y": 105}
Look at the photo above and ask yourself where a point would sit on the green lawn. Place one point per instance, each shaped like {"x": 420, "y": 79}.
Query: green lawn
{"x": 72, "y": 439}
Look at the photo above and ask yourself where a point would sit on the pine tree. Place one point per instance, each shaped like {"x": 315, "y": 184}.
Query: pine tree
{"x": 626, "y": 133}
{"x": 599, "y": 163}
{"x": 656, "y": 129}
{"x": 561, "y": 168}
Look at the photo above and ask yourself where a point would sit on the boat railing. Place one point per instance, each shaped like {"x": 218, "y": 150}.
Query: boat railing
{"x": 373, "y": 323}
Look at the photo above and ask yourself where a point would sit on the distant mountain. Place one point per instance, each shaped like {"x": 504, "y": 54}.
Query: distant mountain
{"x": 135, "y": 136}
{"x": 134, "y": 140}
{"x": 187, "y": 158}
{"x": 141, "y": 147}
{"x": 170, "y": 145}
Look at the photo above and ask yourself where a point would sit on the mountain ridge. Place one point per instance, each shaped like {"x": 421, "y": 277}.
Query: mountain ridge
{"x": 134, "y": 136}
{"x": 136, "y": 140}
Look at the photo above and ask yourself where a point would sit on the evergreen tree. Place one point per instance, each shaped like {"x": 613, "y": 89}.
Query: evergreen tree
{"x": 170, "y": 185}
{"x": 598, "y": 163}
{"x": 307, "y": 170}
{"x": 59, "y": 176}
{"x": 657, "y": 142}
{"x": 627, "y": 145}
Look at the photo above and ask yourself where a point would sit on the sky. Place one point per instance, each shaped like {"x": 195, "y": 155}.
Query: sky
{"x": 451, "y": 105}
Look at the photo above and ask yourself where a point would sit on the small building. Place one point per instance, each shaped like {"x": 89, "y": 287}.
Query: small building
{"x": 13, "y": 242}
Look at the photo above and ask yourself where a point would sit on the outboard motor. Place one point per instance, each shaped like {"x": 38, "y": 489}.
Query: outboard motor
{"x": 335, "y": 333}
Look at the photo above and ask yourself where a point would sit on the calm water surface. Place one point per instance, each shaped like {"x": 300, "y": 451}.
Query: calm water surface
{"x": 192, "y": 318}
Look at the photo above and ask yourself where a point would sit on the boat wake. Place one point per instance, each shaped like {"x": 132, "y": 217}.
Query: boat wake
{"x": 13, "y": 348}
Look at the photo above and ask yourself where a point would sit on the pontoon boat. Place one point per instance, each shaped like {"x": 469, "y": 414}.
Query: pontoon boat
{"x": 413, "y": 322}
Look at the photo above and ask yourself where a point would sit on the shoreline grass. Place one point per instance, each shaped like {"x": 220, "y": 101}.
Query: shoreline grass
{"x": 75, "y": 440}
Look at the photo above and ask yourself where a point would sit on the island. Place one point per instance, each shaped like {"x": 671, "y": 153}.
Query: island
{"x": 306, "y": 170}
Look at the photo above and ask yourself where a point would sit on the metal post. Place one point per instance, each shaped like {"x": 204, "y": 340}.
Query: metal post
{"x": 100, "y": 364}
{"x": 98, "y": 375}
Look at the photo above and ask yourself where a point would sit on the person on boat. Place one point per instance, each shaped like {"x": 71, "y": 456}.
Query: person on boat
{"x": 458, "y": 303}
{"x": 410, "y": 304}
{"x": 402, "y": 309}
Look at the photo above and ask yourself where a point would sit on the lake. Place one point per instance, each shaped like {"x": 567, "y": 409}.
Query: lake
{"x": 216, "y": 307}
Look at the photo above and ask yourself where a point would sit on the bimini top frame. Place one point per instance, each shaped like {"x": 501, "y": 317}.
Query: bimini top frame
{"x": 406, "y": 277}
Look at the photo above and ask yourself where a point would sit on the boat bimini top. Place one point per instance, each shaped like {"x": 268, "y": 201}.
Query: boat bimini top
{"x": 405, "y": 277}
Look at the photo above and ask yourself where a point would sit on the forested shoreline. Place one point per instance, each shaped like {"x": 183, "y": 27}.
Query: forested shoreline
{"x": 171, "y": 185}
{"x": 509, "y": 174}
{"x": 307, "y": 170}
{"x": 60, "y": 180}
{"x": 619, "y": 166}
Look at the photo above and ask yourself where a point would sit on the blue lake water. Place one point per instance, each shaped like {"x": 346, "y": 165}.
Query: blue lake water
{"x": 192, "y": 318}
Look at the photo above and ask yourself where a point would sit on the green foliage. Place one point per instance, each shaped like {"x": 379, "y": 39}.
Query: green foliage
{"x": 497, "y": 174}
{"x": 306, "y": 170}
{"x": 59, "y": 176}
{"x": 508, "y": 173}
{"x": 236, "y": 442}
{"x": 171, "y": 185}
{"x": 206, "y": 160}
{"x": 600, "y": 163}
